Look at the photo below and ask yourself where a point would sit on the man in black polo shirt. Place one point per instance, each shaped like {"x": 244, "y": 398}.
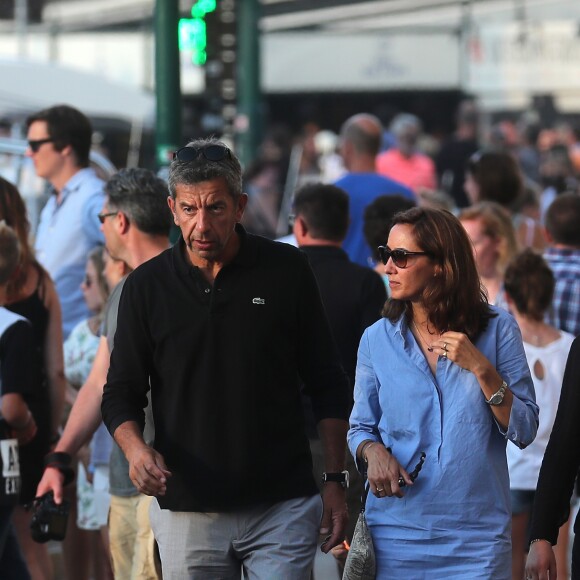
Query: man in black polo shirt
{"x": 224, "y": 326}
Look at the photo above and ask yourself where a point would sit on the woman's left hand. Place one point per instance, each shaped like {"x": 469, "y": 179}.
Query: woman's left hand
{"x": 457, "y": 347}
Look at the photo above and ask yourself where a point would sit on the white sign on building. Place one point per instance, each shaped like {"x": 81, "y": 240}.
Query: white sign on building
{"x": 510, "y": 62}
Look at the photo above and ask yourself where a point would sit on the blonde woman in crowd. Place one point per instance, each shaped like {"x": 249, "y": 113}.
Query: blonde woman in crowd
{"x": 92, "y": 486}
{"x": 491, "y": 232}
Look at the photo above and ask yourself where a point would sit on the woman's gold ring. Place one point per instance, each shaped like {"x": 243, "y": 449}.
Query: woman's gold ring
{"x": 445, "y": 346}
{"x": 381, "y": 489}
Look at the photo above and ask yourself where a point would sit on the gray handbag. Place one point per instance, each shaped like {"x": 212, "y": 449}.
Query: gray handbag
{"x": 361, "y": 563}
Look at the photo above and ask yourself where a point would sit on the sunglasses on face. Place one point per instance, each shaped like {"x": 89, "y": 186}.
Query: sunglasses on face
{"x": 103, "y": 216}
{"x": 35, "y": 145}
{"x": 211, "y": 153}
{"x": 399, "y": 256}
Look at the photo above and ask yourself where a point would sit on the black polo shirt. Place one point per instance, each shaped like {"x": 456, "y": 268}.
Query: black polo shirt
{"x": 225, "y": 364}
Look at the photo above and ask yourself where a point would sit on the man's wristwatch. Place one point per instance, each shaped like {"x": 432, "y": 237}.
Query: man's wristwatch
{"x": 497, "y": 398}
{"x": 339, "y": 477}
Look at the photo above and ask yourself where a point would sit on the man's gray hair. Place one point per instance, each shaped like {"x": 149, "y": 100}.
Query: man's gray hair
{"x": 201, "y": 169}
{"x": 142, "y": 197}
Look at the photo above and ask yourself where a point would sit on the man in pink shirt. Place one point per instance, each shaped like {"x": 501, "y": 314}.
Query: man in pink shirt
{"x": 403, "y": 162}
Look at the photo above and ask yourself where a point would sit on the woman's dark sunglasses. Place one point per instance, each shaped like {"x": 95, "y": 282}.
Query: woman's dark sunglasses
{"x": 398, "y": 255}
{"x": 211, "y": 153}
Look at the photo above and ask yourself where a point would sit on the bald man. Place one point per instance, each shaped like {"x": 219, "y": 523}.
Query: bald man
{"x": 360, "y": 139}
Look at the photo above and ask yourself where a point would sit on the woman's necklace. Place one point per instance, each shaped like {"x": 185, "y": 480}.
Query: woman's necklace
{"x": 429, "y": 348}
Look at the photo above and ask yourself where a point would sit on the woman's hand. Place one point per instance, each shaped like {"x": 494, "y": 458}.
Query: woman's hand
{"x": 457, "y": 347}
{"x": 384, "y": 471}
{"x": 541, "y": 562}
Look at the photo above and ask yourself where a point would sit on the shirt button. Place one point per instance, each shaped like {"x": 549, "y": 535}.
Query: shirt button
{"x": 207, "y": 290}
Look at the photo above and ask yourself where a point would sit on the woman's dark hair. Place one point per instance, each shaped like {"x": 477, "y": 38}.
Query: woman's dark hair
{"x": 530, "y": 283}
{"x": 455, "y": 299}
{"x": 498, "y": 176}
{"x": 13, "y": 212}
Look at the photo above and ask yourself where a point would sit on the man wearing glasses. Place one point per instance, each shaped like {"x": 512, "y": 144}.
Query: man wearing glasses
{"x": 59, "y": 141}
{"x": 135, "y": 221}
{"x": 221, "y": 327}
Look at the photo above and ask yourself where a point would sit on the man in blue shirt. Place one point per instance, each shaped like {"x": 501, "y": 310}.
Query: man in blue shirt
{"x": 59, "y": 141}
{"x": 360, "y": 142}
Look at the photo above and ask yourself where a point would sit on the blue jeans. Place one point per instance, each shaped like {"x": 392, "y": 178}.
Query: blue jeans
{"x": 12, "y": 563}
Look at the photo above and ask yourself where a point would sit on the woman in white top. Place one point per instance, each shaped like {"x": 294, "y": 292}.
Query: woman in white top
{"x": 529, "y": 286}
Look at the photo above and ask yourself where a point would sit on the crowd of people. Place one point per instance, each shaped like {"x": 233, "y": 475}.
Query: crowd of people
{"x": 225, "y": 400}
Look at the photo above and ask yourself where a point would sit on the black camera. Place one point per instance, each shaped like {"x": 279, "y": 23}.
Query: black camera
{"x": 48, "y": 519}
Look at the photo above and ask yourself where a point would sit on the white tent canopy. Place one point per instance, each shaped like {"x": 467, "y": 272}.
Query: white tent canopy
{"x": 27, "y": 86}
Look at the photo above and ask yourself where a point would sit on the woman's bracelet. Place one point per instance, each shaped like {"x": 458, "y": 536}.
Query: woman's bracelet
{"x": 365, "y": 447}
{"x": 540, "y": 540}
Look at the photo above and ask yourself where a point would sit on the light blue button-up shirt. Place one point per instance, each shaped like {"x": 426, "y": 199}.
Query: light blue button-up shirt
{"x": 455, "y": 521}
{"x": 67, "y": 232}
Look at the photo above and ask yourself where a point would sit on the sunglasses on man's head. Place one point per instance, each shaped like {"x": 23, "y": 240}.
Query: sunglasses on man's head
{"x": 36, "y": 144}
{"x": 210, "y": 152}
{"x": 399, "y": 256}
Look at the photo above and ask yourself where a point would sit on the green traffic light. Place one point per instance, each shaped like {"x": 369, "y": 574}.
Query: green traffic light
{"x": 203, "y": 7}
{"x": 193, "y": 38}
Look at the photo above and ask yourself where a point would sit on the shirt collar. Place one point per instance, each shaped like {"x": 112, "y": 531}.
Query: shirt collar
{"x": 401, "y": 327}
{"x": 76, "y": 181}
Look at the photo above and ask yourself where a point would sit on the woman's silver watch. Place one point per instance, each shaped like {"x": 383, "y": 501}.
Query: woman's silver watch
{"x": 497, "y": 398}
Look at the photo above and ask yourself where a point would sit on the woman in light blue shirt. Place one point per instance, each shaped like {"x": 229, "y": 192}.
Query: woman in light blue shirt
{"x": 442, "y": 373}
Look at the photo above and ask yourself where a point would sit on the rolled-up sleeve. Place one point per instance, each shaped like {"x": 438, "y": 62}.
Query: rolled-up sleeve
{"x": 513, "y": 367}
{"x": 366, "y": 412}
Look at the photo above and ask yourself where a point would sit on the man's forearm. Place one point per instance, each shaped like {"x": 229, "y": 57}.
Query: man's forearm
{"x": 332, "y": 433}
{"x": 129, "y": 437}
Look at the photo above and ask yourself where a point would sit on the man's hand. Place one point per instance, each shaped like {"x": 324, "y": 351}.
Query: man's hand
{"x": 52, "y": 480}
{"x": 148, "y": 471}
{"x": 335, "y": 515}
{"x": 541, "y": 562}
